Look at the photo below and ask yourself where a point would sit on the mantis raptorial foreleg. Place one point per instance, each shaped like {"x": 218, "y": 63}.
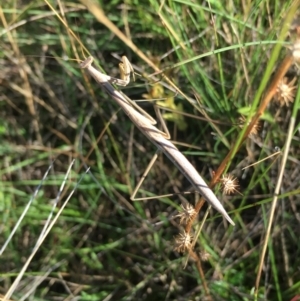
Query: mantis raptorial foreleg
{"x": 125, "y": 70}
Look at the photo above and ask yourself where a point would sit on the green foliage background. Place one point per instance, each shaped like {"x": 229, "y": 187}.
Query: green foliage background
{"x": 103, "y": 246}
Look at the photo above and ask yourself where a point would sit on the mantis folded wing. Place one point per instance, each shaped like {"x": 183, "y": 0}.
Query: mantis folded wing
{"x": 145, "y": 124}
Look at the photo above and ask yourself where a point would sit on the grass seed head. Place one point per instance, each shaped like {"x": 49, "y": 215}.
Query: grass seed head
{"x": 285, "y": 91}
{"x": 204, "y": 256}
{"x": 183, "y": 242}
{"x": 188, "y": 213}
{"x": 229, "y": 184}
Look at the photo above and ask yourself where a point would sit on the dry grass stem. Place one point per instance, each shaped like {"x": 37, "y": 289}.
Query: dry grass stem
{"x": 255, "y": 129}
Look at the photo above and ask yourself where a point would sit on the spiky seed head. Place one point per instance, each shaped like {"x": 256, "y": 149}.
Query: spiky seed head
{"x": 204, "y": 256}
{"x": 229, "y": 184}
{"x": 187, "y": 214}
{"x": 183, "y": 242}
{"x": 285, "y": 91}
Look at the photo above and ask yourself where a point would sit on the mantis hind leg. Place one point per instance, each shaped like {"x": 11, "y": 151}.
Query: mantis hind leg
{"x": 139, "y": 184}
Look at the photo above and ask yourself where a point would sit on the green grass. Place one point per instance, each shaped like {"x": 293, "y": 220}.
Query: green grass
{"x": 103, "y": 246}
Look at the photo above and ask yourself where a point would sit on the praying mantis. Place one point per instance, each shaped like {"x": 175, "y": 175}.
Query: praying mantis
{"x": 146, "y": 124}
